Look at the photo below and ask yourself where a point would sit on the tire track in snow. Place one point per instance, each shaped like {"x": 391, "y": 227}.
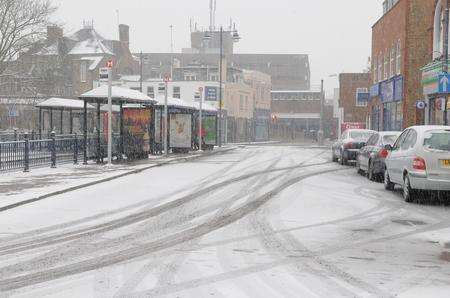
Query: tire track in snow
{"x": 158, "y": 245}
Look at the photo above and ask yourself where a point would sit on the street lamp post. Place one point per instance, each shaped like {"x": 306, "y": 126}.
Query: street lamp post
{"x": 220, "y": 85}
{"x": 322, "y": 98}
{"x": 445, "y": 66}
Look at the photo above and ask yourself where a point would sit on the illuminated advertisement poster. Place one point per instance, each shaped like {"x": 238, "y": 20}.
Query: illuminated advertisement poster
{"x": 135, "y": 125}
{"x": 180, "y": 130}
{"x": 209, "y": 130}
{"x": 158, "y": 136}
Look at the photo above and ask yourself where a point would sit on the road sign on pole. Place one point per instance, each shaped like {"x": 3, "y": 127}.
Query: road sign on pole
{"x": 444, "y": 83}
{"x": 200, "y": 126}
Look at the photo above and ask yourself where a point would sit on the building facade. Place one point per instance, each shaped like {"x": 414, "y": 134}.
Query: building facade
{"x": 400, "y": 47}
{"x": 296, "y": 115}
{"x": 436, "y": 103}
{"x": 353, "y": 97}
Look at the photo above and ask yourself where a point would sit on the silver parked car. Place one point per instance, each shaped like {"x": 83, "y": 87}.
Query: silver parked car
{"x": 347, "y": 147}
{"x": 371, "y": 157}
{"x": 419, "y": 160}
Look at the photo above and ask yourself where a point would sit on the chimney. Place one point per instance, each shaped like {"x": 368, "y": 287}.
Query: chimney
{"x": 54, "y": 33}
{"x": 124, "y": 34}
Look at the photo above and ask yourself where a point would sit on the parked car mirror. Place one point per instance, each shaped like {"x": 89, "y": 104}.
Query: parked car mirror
{"x": 388, "y": 147}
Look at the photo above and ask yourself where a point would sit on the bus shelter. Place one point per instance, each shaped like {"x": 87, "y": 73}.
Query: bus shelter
{"x": 180, "y": 124}
{"x": 120, "y": 97}
{"x": 209, "y": 126}
{"x": 73, "y": 108}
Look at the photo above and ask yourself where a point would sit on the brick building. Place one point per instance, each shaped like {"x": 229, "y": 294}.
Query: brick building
{"x": 353, "y": 96}
{"x": 400, "y": 47}
{"x": 296, "y": 114}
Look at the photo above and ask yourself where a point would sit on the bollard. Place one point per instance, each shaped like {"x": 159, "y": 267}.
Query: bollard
{"x": 75, "y": 149}
{"x": 26, "y": 154}
{"x": 53, "y": 149}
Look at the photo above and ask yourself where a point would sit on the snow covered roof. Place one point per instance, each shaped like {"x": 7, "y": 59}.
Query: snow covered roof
{"x": 95, "y": 61}
{"x": 90, "y": 46}
{"x": 119, "y": 94}
{"x": 175, "y": 102}
{"x": 205, "y": 106}
{"x": 63, "y": 103}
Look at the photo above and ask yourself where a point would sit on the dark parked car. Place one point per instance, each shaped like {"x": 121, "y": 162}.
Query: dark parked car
{"x": 371, "y": 157}
{"x": 347, "y": 147}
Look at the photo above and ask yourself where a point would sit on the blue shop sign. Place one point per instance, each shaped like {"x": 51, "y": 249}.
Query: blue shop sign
{"x": 398, "y": 88}
{"x": 392, "y": 90}
{"x": 375, "y": 90}
{"x": 211, "y": 93}
{"x": 387, "y": 91}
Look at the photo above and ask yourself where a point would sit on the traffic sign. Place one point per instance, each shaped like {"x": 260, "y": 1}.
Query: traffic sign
{"x": 444, "y": 83}
{"x": 104, "y": 74}
{"x": 420, "y": 104}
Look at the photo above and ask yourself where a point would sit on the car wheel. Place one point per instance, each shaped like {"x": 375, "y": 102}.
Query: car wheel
{"x": 409, "y": 194}
{"x": 333, "y": 157}
{"x": 370, "y": 173}
{"x": 388, "y": 185}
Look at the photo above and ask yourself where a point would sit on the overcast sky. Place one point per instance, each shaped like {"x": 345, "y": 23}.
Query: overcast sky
{"x": 335, "y": 33}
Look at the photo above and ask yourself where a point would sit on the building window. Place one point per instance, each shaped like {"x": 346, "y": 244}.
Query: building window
{"x": 151, "y": 92}
{"x": 176, "y": 92}
{"x": 360, "y": 91}
{"x": 386, "y": 64}
{"x": 398, "y": 65}
{"x": 392, "y": 63}
{"x": 375, "y": 70}
{"x": 380, "y": 68}
{"x": 83, "y": 72}
{"x": 241, "y": 102}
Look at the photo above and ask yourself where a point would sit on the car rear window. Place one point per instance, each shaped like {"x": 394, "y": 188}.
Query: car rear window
{"x": 361, "y": 135}
{"x": 437, "y": 140}
{"x": 389, "y": 139}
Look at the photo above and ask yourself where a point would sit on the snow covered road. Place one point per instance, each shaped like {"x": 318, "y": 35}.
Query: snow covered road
{"x": 260, "y": 221}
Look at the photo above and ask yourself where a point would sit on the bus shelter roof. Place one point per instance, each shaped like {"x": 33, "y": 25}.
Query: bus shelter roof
{"x": 63, "y": 103}
{"x": 119, "y": 95}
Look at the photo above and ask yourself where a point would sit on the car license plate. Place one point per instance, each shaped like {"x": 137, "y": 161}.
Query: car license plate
{"x": 445, "y": 163}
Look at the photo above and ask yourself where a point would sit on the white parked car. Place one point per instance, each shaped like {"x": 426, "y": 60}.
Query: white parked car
{"x": 419, "y": 161}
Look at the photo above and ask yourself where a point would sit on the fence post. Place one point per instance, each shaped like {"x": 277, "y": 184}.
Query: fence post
{"x": 53, "y": 149}
{"x": 75, "y": 149}
{"x": 27, "y": 154}
{"x": 15, "y": 135}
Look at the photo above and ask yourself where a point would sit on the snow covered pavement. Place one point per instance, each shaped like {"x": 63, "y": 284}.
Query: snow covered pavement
{"x": 259, "y": 221}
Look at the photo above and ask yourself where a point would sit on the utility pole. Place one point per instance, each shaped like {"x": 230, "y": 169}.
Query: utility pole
{"x": 445, "y": 68}
{"x": 322, "y": 99}
{"x": 109, "y": 115}
{"x": 171, "y": 51}
{"x": 141, "y": 71}
{"x": 220, "y": 86}
{"x": 200, "y": 120}
{"x": 166, "y": 114}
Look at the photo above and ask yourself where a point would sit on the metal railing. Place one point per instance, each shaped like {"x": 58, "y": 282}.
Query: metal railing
{"x": 29, "y": 153}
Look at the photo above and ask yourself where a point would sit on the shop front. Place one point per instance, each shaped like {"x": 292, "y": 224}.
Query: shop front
{"x": 435, "y": 102}
{"x": 386, "y": 106}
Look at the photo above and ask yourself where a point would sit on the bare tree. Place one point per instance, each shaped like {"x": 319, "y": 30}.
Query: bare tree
{"x": 22, "y": 24}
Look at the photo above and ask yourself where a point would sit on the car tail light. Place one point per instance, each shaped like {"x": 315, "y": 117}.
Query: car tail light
{"x": 348, "y": 146}
{"x": 419, "y": 164}
{"x": 383, "y": 153}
